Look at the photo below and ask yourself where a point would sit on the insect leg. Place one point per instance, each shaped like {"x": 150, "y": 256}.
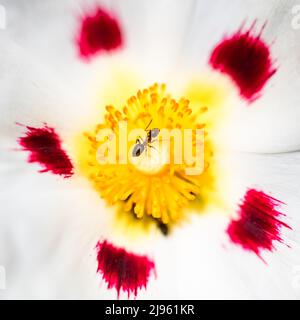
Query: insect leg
{"x": 150, "y": 146}
{"x": 138, "y": 140}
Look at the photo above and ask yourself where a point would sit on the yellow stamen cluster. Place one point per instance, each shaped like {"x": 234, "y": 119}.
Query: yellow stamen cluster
{"x": 159, "y": 190}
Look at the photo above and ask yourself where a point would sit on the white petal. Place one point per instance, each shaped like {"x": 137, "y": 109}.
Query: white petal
{"x": 271, "y": 123}
{"x": 49, "y": 227}
{"x": 199, "y": 262}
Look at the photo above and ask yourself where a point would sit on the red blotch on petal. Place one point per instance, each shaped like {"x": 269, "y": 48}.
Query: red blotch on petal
{"x": 246, "y": 59}
{"x": 123, "y": 270}
{"x": 99, "y": 32}
{"x": 258, "y": 224}
{"x": 44, "y": 146}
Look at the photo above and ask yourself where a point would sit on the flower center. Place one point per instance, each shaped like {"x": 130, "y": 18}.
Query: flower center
{"x": 153, "y": 159}
{"x": 159, "y": 165}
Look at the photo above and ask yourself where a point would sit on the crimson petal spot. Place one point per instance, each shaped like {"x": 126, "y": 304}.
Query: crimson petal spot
{"x": 258, "y": 224}
{"x": 99, "y": 32}
{"x": 123, "y": 270}
{"x": 246, "y": 59}
{"x": 44, "y": 147}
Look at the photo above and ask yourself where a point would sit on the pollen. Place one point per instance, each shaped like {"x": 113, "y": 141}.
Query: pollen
{"x": 152, "y": 155}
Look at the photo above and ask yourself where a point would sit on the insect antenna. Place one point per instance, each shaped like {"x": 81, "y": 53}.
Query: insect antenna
{"x": 148, "y": 124}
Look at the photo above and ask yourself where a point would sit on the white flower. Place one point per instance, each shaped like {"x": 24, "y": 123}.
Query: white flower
{"x": 50, "y": 226}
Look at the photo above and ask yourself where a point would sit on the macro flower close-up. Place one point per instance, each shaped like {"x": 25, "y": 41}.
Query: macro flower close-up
{"x": 150, "y": 149}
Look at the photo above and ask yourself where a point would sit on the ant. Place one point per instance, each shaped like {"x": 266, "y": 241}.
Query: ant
{"x": 142, "y": 145}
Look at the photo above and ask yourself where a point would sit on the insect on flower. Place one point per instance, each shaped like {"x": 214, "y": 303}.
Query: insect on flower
{"x": 203, "y": 186}
{"x": 142, "y": 145}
